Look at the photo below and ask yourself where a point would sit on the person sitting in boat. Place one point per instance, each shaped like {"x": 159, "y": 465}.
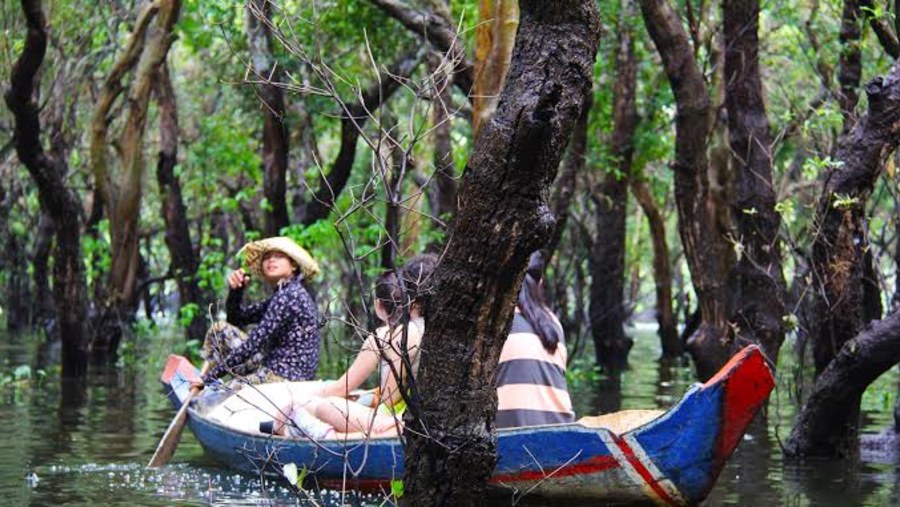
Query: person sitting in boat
{"x": 284, "y": 345}
{"x": 393, "y": 350}
{"x": 531, "y": 376}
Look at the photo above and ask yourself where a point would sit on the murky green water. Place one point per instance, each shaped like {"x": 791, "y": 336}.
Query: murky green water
{"x": 86, "y": 443}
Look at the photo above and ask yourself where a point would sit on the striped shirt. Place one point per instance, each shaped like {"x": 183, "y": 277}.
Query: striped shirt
{"x": 531, "y": 382}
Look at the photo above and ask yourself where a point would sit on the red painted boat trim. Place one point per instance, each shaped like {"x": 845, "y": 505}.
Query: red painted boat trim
{"x": 594, "y": 465}
{"x": 649, "y": 480}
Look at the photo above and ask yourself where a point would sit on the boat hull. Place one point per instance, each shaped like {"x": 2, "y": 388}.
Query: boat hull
{"x": 672, "y": 460}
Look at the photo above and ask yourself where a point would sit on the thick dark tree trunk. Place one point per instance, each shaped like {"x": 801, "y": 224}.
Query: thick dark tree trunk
{"x": 48, "y": 169}
{"x": 757, "y": 278}
{"x": 564, "y": 188}
{"x": 451, "y": 443}
{"x": 828, "y": 425}
{"x": 662, "y": 271}
{"x": 700, "y": 226}
{"x": 184, "y": 262}
{"x": 607, "y": 257}
{"x": 841, "y": 241}
{"x": 354, "y": 117}
{"x": 275, "y": 134}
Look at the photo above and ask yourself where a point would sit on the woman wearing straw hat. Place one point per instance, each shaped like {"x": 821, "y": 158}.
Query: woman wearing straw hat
{"x": 284, "y": 345}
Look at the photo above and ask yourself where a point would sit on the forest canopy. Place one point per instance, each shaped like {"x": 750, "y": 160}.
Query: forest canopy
{"x": 730, "y": 174}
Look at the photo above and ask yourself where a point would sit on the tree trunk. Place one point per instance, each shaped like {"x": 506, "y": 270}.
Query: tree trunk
{"x": 13, "y": 266}
{"x": 48, "y": 169}
{"x": 391, "y": 167}
{"x": 122, "y": 190}
{"x": 841, "y": 240}
{"x": 184, "y": 262}
{"x": 828, "y": 425}
{"x": 607, "y": 257}
{"x": 275, "y": 134}
{"x": 445, "y": 186}
{"x": 662, "y": 271}
{"x": 451, "y": 443}
{"x": 44, "y": 308}
{"x": 564, "y": 188}
{"x": 702, "y": 230}
{"x": 495, "y": 36}
{"x": 850, "y": 64}
{"x": 758, "y": 298}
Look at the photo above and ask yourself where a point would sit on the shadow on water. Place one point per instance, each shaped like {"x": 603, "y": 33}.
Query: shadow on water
{"x": 86, "y": 441}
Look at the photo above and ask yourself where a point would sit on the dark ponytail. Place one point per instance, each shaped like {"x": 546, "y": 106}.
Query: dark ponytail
{"x": 533, "y": 305}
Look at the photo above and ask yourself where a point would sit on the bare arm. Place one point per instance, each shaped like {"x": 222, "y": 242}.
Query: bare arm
{"x": 365, "y": 364}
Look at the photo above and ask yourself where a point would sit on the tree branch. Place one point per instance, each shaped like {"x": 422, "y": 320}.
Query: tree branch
{"x": 439, "y": 32}
{"x": 355, "y": 116}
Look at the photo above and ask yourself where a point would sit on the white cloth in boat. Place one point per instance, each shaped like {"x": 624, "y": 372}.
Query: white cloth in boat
{"x": 253, "y": 404}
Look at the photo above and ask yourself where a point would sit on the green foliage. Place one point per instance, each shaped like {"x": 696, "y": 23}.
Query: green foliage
{"x": 187, "y": 313}
{"x": 397, "y": 488}
{"x": 22, "y": 376}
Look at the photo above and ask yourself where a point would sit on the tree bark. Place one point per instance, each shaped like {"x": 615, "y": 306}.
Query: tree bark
{"x": 445, "y": 187}
{"x": 607, "y": 257}
{"x": 564, "y": 189}
{"x": 275, "y": 134}
{"x": 391, "y": 165}
{"x": 354, "y": 118}
{"x": 495, "y": 36}
{"x": 828, "y": 424}
{"x": 758, "y": 299}
{"x": 850, "y": 63}
{"x": 451, "y": 444}
{"x": 437, "y": 30}
{"x": 13, "y": 266}
{"x": 701, "y": 229}
{"x": 841, "y": 239}
{"x": 184, "y": 262}
{"x": 662, "y": 271}
{"x": 122, "y": 190}
{"x": 48, "y": 169}
{"x": 44, "y": 307}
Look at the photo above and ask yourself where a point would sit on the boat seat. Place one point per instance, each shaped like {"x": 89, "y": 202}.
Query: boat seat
{"x": 622, "y": 421}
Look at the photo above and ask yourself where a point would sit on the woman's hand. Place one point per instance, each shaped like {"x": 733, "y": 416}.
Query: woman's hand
{"x": 237, "y": 279}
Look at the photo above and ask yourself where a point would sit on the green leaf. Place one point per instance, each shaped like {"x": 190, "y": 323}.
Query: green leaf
{"x": 397, "y": 488}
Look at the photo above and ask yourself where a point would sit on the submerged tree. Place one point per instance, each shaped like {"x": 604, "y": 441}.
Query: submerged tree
{"x": 49, "y": 171}
{"x": 120, "y": 185}
{"x": 702, "y": 221}
{"x": 502, "y": 218}
{"x": 848, "y": 356}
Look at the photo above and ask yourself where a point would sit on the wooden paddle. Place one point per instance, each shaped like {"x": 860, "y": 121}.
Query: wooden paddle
{"x": 172, "y": 436}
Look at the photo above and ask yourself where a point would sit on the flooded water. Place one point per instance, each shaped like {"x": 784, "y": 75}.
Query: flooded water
{"x": 87, "y": 443}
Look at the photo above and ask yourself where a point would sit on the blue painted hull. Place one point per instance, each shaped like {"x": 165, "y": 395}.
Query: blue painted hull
{"x": 672, "y": 460}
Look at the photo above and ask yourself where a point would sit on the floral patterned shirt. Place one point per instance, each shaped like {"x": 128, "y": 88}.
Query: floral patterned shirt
{"x": 287, "y": 332}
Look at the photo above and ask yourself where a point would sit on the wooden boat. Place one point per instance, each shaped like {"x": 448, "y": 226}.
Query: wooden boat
{"x": 667, "y": 458}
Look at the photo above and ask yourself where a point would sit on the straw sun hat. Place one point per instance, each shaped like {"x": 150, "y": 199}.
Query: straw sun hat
{"x": 254, "y": 252}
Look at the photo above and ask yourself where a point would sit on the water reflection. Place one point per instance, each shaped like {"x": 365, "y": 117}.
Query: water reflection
{"x": 81, "y": 442}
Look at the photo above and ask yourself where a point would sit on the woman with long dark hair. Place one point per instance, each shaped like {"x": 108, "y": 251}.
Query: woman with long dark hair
{"x": 392, "y": 351}
{"x": 531, "y": 379}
